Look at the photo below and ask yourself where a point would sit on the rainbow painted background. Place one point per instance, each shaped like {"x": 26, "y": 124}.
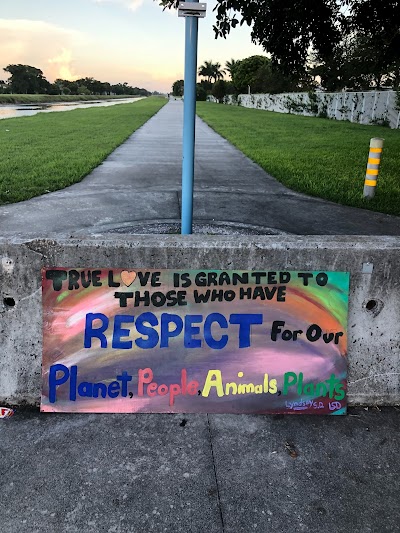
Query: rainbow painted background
{"x": 64, "y": 316}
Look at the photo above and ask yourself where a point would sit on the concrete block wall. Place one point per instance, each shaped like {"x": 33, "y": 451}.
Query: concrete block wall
{"x": 374, "y": 313}
{"x": 364, "y": 107}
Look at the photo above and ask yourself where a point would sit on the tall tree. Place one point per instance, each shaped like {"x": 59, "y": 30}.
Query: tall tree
{"x": 257, "y": 73}
{"x": 177, "y": 88}
{"x": 246, "y": 74}
{"x": 211, "y": 71}
{"x": 287, "y": 29}
{"x": 201, "y": 93}
{"x": 231, "y": 66}
{"x": 219, "y": 90}
{"x": 26, "y": 79}
{"x": 217, "y": 72}
{"x": 358, "y": 62}
{"x": 207, "y": 70}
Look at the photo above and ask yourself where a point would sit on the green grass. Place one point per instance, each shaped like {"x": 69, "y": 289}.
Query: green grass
{"x": 319, "y": 157}
{"x": 50, "y": 151}
{"x": 50, "y": 98}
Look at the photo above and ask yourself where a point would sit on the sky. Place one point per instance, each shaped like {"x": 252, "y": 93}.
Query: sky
{"x": 132, "y": 41}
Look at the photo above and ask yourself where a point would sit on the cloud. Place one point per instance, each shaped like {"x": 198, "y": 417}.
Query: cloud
{"x": 130, "y": 4}
{"x": 133, "y": 5}
{"x": 41, "y": 45}
{"x": 63, "y": 62}
{"x": 37, "y": 27}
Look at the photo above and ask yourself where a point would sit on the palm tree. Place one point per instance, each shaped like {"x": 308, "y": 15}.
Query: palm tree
{"x": 231, "y": 66}
{"x": 207, "y": 70}
{"x": 211, "y": 71}
{"x": 218, "y": 72}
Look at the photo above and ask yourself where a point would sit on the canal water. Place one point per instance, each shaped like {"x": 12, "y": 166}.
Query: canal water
{"x": 27, "y": 110}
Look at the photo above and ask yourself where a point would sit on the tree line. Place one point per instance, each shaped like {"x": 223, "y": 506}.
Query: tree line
{"x": 254, "y": 74}
{"x": 333, "y": 44}
{"x": 25, "y": 79}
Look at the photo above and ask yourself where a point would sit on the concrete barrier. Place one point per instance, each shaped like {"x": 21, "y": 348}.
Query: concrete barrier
{"x": 374, "y": 314}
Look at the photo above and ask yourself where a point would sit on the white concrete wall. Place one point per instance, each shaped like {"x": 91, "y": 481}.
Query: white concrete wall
{"x": 374, "y": 304}
{"x": 367, "y": 107}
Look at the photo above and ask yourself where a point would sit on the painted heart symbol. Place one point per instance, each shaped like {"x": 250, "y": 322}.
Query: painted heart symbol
{"x": 128, "y": 277}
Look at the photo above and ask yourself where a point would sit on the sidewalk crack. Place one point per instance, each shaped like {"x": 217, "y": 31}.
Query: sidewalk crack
{"x": 215, "y": 475}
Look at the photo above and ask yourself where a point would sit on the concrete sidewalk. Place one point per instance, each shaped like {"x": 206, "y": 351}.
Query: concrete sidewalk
{"x": 139, "y": 185}
{"x": 196, "y": 473}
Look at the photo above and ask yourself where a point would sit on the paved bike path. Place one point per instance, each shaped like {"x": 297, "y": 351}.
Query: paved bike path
{"x": 140, "y": 184}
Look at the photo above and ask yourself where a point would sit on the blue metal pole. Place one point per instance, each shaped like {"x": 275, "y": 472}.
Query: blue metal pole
{"x": 189, "y": 118}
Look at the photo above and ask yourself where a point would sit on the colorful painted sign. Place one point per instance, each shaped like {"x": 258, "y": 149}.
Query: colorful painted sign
{"x": 160, "y": 341}
{"x": 5, "y": 412}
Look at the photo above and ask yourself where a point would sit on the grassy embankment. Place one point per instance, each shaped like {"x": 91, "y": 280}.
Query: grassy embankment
{"x": 50, "y": 151}
{"x": 319, "y": 157}
{"x": 52, "y": 98}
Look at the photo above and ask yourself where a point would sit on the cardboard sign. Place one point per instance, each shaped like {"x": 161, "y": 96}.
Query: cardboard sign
{"x": 131, "y": 341}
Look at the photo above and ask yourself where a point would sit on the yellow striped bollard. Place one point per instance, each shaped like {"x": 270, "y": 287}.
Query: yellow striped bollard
{"x": 374, "y": 160}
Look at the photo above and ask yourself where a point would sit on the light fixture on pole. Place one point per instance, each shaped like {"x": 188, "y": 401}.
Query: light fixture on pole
{"x": 192, "y": 11}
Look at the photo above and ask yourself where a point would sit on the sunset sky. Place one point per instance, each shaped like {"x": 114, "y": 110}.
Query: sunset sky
{"x": 110, "y": 40}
